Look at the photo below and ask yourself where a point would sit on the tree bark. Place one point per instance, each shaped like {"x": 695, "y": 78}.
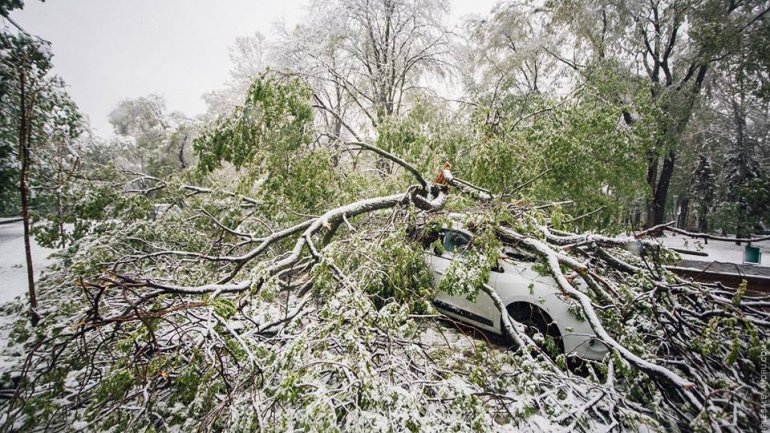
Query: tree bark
{"x": 34, "y": 316}
{"x": 652, "y": 178}
{"x": 683, "y": 211}
{"x": 661, "y": 191}
{"x": 25, "y": 122}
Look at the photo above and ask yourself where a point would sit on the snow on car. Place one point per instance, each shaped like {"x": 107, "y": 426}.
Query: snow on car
{"x": 530, "y": 298}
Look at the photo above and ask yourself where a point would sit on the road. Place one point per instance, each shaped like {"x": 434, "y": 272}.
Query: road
{"x": 13, "y": 269}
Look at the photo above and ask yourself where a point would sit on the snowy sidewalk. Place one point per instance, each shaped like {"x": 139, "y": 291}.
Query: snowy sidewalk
{"x": 13, "y": 268}
{"x": 13, "y": 283}
{"x": 715, "y": 251}
{"x": 720, "y": 261}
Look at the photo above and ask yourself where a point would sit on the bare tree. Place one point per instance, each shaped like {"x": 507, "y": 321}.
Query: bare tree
{"x": 373, "y": 54}
{"x": 248, "y": 58}
{"x": 157, "y": 141}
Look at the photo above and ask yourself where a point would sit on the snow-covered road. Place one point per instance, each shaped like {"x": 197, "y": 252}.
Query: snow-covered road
{"x": 13, "y": 268}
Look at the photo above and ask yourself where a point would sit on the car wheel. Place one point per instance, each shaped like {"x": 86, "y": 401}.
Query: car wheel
{"x": 538, "y": 321}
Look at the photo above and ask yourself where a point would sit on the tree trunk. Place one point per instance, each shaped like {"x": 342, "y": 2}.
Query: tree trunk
{"x": 25, "y": 121}
{"x": 59, "y": 186}
{"x": 182, "y": 161}
{"x": 683, "y": 211}
{"x": 652, "y": 178}
{"x": 661, "y": 192}
{"x": 60, "y": 217}
{"x": 703, "y": 226}
{"x": 34, "y": 316}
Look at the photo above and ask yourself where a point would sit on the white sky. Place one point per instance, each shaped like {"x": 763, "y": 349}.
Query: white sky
{"x": 109, "y": 50}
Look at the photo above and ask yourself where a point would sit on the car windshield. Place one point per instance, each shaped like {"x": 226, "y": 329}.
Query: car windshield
{"x": 455, "y": 242}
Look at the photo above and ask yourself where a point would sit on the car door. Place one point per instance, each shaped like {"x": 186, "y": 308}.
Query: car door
{"x": 480, "y": 312}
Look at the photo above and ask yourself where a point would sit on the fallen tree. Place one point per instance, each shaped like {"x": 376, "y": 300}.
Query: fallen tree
{"x": 213, "y": 318}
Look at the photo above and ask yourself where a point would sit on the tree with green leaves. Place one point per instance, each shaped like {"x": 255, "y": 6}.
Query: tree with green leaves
{"x": 730, "y": 127}
{"x": 268, "y": 140}
{"x": 674, "y": 44}
{"x": 58, "y": 176}
{"x": 32, "y": 99}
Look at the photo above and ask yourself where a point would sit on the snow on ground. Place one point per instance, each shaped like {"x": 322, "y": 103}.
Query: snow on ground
{"x": 13, "y": 267}
{"x": 13, "y": 287}
{"x": 718, "y": 251}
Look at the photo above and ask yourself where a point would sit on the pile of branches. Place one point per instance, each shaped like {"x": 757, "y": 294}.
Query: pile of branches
{"x": 195, "y": 323}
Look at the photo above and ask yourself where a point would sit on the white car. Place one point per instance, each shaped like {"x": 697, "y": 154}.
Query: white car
{"x": 530, "y": 298}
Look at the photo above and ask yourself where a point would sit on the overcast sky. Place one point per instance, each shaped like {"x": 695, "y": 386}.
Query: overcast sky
{"x": 109, "y": 50}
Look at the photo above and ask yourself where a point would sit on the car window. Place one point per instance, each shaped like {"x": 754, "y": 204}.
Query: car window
{"x": 455, "y": 242}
